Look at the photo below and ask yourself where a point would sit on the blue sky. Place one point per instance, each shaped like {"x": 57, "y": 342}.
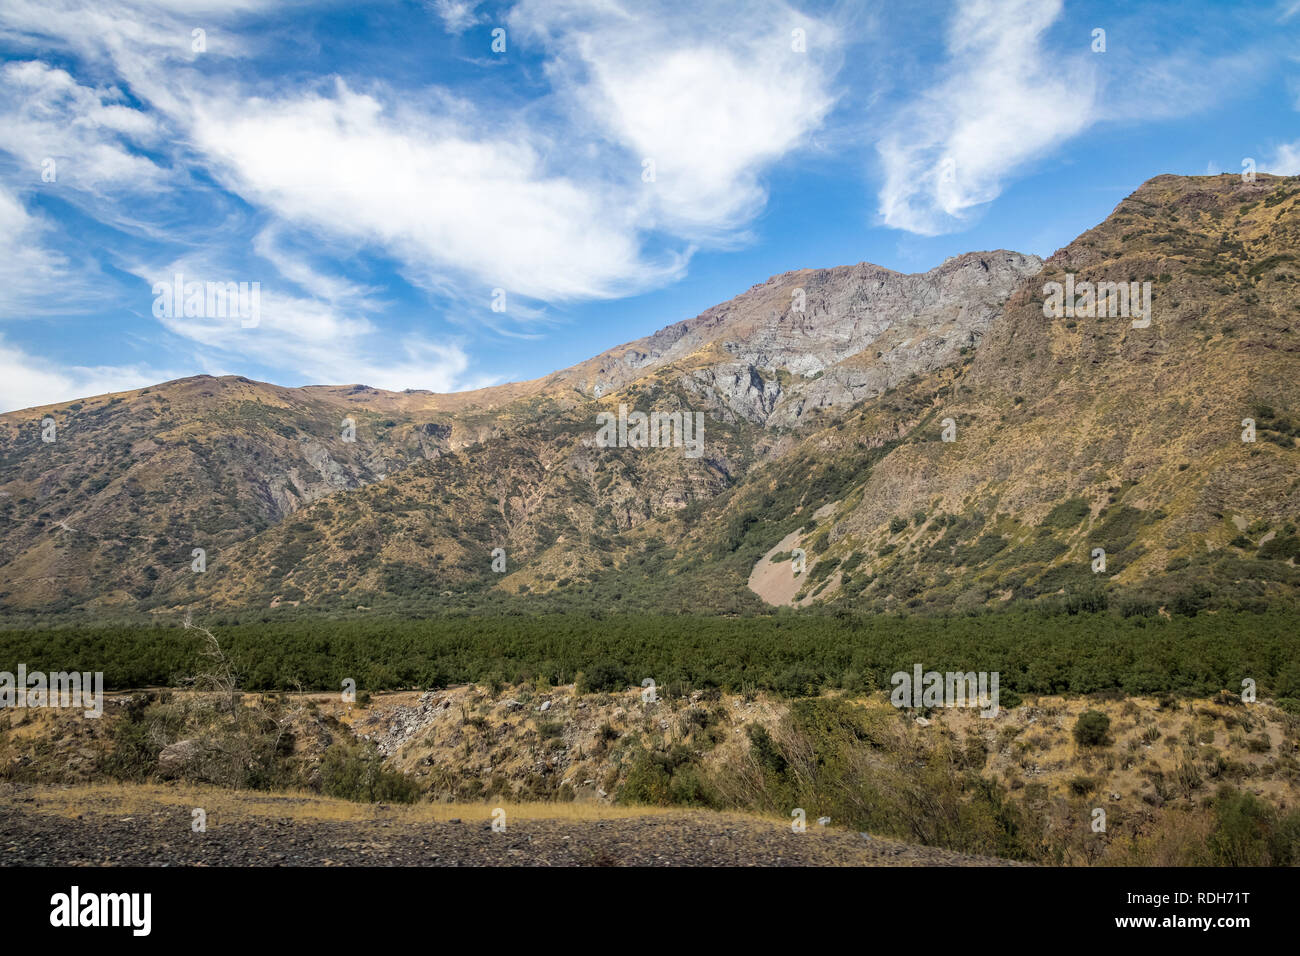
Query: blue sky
{"x": 379, "y": 170}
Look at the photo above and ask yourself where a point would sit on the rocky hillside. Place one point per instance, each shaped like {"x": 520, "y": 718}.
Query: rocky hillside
{"x": 1024, "y": 784}
{"x": 827, "y": 396}
{"x": 820, "y": 338}
{"x": 130, "y": 484}
{"x": 1079, "y": 433}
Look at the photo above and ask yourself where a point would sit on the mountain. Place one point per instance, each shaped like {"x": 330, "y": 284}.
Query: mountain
{"x": 826, "y": 397}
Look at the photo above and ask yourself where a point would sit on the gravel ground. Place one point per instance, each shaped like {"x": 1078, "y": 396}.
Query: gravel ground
{"x": 36, "y": 832}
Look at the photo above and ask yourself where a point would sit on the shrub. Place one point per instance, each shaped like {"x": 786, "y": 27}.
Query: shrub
{"x": 547, "y": 729}
{"x": 665, "y": 778}
{"x": 356, "y": 772}
{"x": 1137, "y": 607}
{"x": 1090, "y": 599}
{"x": 764, "y": 750}
{"x": 1091, "y": 728}
{"x": 1243, "y": 826}
{"x": 1082, "y": 786}
{"x": 1067, "y": 514}
{"x": 603, "y": 676}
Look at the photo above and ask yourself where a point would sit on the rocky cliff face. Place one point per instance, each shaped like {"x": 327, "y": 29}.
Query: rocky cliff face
{"x": 821, "y": 338}
{"x": 1076, "y": 435}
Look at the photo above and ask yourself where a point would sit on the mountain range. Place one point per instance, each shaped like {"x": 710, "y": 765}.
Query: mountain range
{"x": 931, "y": 443}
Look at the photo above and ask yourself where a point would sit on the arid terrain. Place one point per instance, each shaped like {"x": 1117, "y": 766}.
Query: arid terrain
{"x": 900, "y": 470}
{"x": 933, "y": 442}
{"x": 153, "y": 826}
{"x": 574, "y": 774}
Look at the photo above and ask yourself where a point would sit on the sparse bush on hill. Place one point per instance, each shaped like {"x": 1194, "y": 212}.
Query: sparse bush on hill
{"x": 1091, "y": 729}
{"x": 356, "y": 772}
{"x": 666, "y": 777}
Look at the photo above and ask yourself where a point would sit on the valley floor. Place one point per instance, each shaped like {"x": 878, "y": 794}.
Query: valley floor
{"x": 150, "y": 825}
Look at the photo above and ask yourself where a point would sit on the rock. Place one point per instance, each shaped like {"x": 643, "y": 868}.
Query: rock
{"x": 546, "y": 705}
{"x": 917, "y": 322}
{"x": 173, "y": 758}
{"x": 823, "y": 821}
{"x": 922, "y": 722}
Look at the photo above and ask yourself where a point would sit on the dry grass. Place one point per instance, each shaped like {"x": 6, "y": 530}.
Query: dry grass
{"x": 234, "y": 805}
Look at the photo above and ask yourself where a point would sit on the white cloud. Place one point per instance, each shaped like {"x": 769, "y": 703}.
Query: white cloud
{"x": 712, "y": 93}
{"x": 310, "y": 338}
{"x": 457, "y": 15}
{"x": 544, "y": 201}
{"x": 47, "y": 115}
{"x": 415, "y": 363}
{"x": 35, "y": 279}
{"x": 270, "y": 244}
{"x": 1285, "y": 162}
{"x": 28, "y": 380}
{"x": 452, "y": 204}
{"x": 1003, "y": 102}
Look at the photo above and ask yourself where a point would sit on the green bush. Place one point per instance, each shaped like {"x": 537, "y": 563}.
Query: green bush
{"x": 356, "y": 772}
{"x": 1249, "y": 832}
{"x": 1067, "y": 514}
{"x": 601, "y": 677}
{"x": 665, "y": 778}
{"x": 1087, "y": 600}
{"x": 1037, "y": 651}
{"x": 1091, "y": 729}
{"x": 764, "y": 750}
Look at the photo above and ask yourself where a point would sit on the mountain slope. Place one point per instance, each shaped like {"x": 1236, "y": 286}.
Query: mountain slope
{"x": 1083, "y": 433}
{"x": 823, "y": 431}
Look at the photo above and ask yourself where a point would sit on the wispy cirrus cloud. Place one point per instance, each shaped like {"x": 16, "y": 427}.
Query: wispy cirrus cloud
{"x": 712, "y": 95}
{"x": 317, "y": 339}
{"x": 457, "y": 15}
{"x": 448, "y": 200}
{"x": 28, "y": 380}
{"x": 1004, "y": 100}
{"x": 36, "y": 279}
{"x": 90, "y": 134}
{"x": 1018, "y": 84}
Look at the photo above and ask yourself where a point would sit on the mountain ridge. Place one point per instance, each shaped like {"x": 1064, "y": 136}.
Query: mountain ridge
{"x": 837, "y": 408}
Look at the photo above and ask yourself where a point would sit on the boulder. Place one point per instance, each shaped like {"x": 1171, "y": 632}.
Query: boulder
{"x": 173, "y": 758}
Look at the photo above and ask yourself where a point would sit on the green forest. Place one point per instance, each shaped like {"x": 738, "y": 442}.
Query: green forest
{"x": 794, "y": 655}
